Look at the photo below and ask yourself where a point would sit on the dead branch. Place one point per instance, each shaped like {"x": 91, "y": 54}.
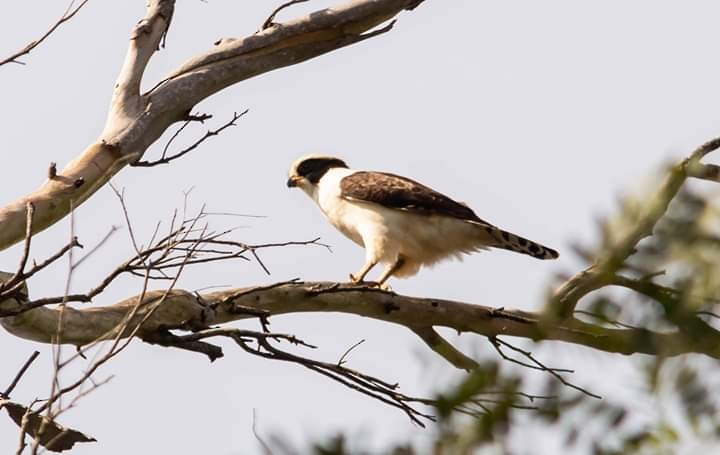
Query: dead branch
{"x": 69, "y": 13}
{"x": 134, "y": 123}
{"x": 260, "y": 344}
{"x": 210, "y": 133}
{"x": 269, "y": 22}
{"x": 164, "y": 255}
{"x": 536, "y": 364}
{"x": 18, "y": 376}
{"x": 342, "y": 360}
{"x": 14, "y": 284}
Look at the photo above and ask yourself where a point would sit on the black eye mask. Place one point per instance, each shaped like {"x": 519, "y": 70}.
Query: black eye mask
{"x": 314, "y": 168}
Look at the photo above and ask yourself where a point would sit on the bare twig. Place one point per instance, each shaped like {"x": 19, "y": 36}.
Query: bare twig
{"x": 269, "y": 21}
{"x": 67, "y": 15}
{"x": 20, "y": 273}
{"x": 363, "y": 383}
{"x": 161, "y": 257}
{"x": 48, "y": 424}
{"x": 345, "y": 354}
{"x": 19, "y": 375}
{"x": 210, "y": 133}
{"x": 120, "y": 194}
{"x": 537, "y": 365}
{"x": 97, "y": 246}
{"x": 7, "y": 289}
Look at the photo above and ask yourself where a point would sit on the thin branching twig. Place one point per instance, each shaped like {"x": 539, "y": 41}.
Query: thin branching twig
{"x": 69, "y": 13}
{"x": 164, "y": 159}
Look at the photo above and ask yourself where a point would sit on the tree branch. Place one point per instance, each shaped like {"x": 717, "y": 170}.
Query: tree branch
{"x": 183, "y": 310}
{"x": 144, "y": 41}
{"x": 270, "y": 21}
{"x": 259, "y": 344}
{"x": 210, "y": 133}
{"x": 19, "y": 375}
{"x": 446, "y": 350}
{"x": 69, "y": 13}
{"x": 136, "y": 121}
{"x": 537, "y": 365}
{"x": 602, "y": 272}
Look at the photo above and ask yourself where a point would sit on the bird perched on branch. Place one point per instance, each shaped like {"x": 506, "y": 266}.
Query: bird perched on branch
{"x": 400, "y": 222}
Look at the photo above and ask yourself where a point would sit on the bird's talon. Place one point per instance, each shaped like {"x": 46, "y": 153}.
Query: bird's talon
{"x": 385, "y": 287}
{"x": 369, "y": 284}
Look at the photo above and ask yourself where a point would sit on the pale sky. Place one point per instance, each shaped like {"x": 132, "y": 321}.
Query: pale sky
{"x": 537, "y": 114}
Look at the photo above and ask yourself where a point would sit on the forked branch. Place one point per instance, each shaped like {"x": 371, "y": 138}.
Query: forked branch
{"x": 135, "y": 121}
{"x": 165, "y": 159}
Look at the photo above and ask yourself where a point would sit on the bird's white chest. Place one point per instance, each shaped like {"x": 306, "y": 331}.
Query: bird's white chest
{"x": 347, "y": 216}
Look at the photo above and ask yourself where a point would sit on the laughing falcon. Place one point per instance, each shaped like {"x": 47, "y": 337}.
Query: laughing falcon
{"x": 400, "y": 222}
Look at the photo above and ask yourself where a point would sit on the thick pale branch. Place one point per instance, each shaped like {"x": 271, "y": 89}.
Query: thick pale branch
{"x": 137, "y": 121}
{"x": 60, "y": 194}
{"x": 289, "y": 43}
{"x": 144, "y": 41}
{"x": 184, "y": 310}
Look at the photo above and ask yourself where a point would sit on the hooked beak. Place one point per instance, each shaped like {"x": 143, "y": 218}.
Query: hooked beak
{"x": 293, "y": 181}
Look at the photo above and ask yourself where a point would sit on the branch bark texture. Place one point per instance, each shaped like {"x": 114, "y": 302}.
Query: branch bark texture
{"x": 184, "y": 310}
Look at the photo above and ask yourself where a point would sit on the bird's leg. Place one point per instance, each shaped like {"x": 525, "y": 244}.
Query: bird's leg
{"x": 360, "y": 277}
{"x": 389, "y": 270}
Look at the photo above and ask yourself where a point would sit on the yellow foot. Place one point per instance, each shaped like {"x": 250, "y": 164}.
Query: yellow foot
{"x": 372, "y": 284}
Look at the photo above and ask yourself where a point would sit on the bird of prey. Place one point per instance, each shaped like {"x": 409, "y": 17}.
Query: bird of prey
{"x": 400, "y": 222}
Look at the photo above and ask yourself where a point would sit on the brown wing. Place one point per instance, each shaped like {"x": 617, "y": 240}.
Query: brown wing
{"x": 401, "y": 193}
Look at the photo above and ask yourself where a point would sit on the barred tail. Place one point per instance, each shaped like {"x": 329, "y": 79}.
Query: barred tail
{"x": 509, "y": 241}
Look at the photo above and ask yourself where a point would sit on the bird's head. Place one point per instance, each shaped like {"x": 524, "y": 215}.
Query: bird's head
{"x": 306, "y": 172}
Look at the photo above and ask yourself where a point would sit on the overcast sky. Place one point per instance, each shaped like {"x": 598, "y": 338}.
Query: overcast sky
{"x": 537, "y": 114}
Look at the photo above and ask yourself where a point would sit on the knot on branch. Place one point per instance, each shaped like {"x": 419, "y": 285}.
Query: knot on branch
{"x": 175, "y": 309}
